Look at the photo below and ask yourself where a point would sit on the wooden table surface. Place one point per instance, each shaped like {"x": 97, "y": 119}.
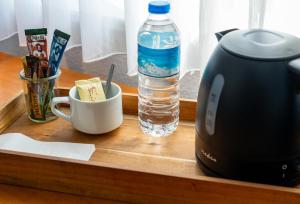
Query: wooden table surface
{"x": 10, "y": 87}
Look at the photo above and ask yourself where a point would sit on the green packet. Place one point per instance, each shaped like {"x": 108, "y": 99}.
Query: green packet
{"x": 38, "y": 31}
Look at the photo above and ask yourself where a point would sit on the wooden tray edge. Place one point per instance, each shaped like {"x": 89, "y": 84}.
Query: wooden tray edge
{"x": 123, "y": 184}
{"x": 11, "y": 111}
{"x": 132, "y": 186}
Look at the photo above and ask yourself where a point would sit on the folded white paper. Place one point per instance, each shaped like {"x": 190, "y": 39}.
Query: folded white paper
{"x": 21, "y": 143}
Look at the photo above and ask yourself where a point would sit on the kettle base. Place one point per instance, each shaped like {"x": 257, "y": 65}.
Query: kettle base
{"x": 292, "y": 180}
{"x": 206, "y": 170}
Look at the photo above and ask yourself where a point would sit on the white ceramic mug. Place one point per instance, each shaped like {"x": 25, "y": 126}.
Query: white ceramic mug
{"x": 92, "y": 117}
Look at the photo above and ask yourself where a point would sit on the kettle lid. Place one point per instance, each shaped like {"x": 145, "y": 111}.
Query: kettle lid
{"x": 261, "y": 44}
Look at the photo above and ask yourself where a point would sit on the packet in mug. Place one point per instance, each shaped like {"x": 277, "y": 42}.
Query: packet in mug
{"x": 37, "y": 42}
{"x": 31, "y": 66}
{"x": 35, "y": 101}
{"x": 37, "y": 47}
{"x": 58, "y": 46}
{"x": 90, "y": 90}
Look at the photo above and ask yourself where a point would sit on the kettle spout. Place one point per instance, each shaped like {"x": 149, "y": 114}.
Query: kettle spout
{"x": 220, "y": 34}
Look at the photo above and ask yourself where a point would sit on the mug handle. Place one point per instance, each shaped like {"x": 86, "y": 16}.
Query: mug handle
{"x": 55, "y": 111}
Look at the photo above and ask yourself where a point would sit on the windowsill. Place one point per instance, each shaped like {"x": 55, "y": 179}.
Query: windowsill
{"x": 73, "y": 59}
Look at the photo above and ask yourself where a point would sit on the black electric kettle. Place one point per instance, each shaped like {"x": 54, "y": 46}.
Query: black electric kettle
{"x": 248, "y": 110}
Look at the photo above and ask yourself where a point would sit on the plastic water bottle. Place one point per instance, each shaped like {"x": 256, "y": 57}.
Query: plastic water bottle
{"x": 158, "y": 66}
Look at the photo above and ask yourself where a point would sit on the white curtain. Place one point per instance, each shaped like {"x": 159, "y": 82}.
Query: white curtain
{"x": 107, "y": 27}
{"x": 8, "y": 25}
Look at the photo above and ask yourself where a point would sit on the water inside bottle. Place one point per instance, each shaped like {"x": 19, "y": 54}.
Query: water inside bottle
{"x": 158, "y": 105}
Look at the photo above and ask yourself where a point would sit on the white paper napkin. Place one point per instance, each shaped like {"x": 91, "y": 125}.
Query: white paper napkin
{"x": 21, "y": 143}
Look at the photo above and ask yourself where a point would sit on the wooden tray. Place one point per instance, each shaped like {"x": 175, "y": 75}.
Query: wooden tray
{"x": 127, "y": 166}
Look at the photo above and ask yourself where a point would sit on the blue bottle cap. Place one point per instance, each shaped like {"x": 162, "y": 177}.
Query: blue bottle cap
{"x": 159, "y": 7}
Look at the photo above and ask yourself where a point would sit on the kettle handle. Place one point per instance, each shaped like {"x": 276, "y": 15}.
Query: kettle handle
{"x": 221, "y": 34}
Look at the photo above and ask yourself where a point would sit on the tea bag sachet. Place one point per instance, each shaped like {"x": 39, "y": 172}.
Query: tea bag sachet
{"x": 90, "y": 90}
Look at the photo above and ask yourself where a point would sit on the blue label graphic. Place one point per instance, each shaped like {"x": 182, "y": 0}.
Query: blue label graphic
{"x": 158, "y": 62}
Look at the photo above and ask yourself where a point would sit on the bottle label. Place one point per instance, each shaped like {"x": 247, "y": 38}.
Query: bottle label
{"x": 158, "y": 62}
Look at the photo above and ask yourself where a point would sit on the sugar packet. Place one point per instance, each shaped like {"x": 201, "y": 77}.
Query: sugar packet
{"x": 90, "y": 90}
